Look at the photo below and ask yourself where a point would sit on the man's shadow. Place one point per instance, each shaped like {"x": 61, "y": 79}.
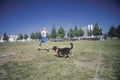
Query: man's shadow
{"x": 44, "y": 49}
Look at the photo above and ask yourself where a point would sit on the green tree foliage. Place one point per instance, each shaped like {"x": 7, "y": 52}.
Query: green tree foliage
{"x": 48, "y": 35}
{"x": 53, "y": 32}
{"x": 100, "y": 32}
{"x": 61, "y": 32}
{"x": 5, "y": 37}
{"x": 81, "y": 32}
{"x": 118, "y": 31}
{"x": 76, "y": 31}
{"x": 20, "y": 36}
{"x": 32, "y": 36}
{"x": 38, "y": 35}
{"x": 71, "y": 33}
{"x": 96, "y": 30}
{"x": 105, "y": 35}
{"x": 25, "y": 36}
{"x": 112, "y": 32}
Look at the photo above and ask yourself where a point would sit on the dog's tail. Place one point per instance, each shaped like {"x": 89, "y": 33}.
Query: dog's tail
{"x": 71, "y": 45}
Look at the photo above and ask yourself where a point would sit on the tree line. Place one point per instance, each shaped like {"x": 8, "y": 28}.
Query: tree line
{"x": 114, "y": 31}
{"x": 75, "y": 32}
{"x": 60, "y": 33}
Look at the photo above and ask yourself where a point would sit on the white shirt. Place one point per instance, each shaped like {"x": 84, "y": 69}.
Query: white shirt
{"x": 43, "y": 32}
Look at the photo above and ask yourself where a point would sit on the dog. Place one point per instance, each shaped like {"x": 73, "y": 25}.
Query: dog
{"x": 64, "y": 51}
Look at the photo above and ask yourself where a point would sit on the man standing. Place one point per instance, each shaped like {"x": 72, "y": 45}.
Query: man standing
{"x": 43, "y": 38}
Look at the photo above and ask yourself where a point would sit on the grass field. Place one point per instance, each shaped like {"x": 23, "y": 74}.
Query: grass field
{"x": 22, "y": 61}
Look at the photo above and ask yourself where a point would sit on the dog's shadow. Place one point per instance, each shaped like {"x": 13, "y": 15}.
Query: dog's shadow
{"x": 60, "y": 56}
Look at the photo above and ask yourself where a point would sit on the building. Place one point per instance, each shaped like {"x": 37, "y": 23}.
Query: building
{"x": 87, "y": 30}
{"x": 13, "y": 38}
{"x": 1, "y": 39}
{"x": 90, "y": 30}
{"x": 90, "y": 27}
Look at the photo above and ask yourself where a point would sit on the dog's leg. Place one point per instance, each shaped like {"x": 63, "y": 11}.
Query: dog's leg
{"x": 67, "y": 56}
{"x": 71, "y": 54}
{"x": 58, "y": 54}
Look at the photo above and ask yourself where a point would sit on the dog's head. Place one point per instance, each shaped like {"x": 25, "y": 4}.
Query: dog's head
{"x": 54, "y": 48}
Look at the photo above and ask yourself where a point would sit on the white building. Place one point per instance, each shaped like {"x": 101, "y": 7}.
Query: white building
{"x": 13, "y": 38}
{"x": 1, "y": 39}
{"x": 87, "y": 30}
{"x": 90, "y": 27}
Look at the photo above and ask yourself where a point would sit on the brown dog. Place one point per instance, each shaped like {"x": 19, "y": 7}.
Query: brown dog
{"x": 64, "y": 51}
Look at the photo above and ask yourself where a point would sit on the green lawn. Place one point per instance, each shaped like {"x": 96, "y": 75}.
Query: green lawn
{"x": 22, "y": 61}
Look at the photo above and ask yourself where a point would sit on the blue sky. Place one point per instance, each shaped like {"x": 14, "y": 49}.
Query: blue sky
{"x": 27, "y": 16}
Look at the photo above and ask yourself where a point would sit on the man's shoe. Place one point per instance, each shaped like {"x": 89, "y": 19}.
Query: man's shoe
{"x": 38, "y": 48}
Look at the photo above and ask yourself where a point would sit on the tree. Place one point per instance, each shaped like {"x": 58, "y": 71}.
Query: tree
{"x": 96, "y": 30}
{"x": 53, "y": 32}
{"x": 100, "y": 32}
{"x": 32, "y": 36}
{"x": 81, "y": 32}
{"x": 76, "y": 31}
{"x": 105, "y": 35}
{"x": 118, "y": 31}
{"x": 0, "y": 36}
{"x": 71, "y": 33}
{"x": 48, "y": 35}
{"x": 61, "y": 32}
{"x": 20, "y": 36}
{"x": 38, "y": 35}
{"x": 5, "y": 37}
{"x": 25, "y": 36}
{"x": 112, "y": 32}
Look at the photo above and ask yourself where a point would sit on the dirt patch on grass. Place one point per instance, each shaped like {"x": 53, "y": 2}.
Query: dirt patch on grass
{"x": 13, "y": 56}
{"x": 87, "y": 63}
{"x": 6, "y": 57}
